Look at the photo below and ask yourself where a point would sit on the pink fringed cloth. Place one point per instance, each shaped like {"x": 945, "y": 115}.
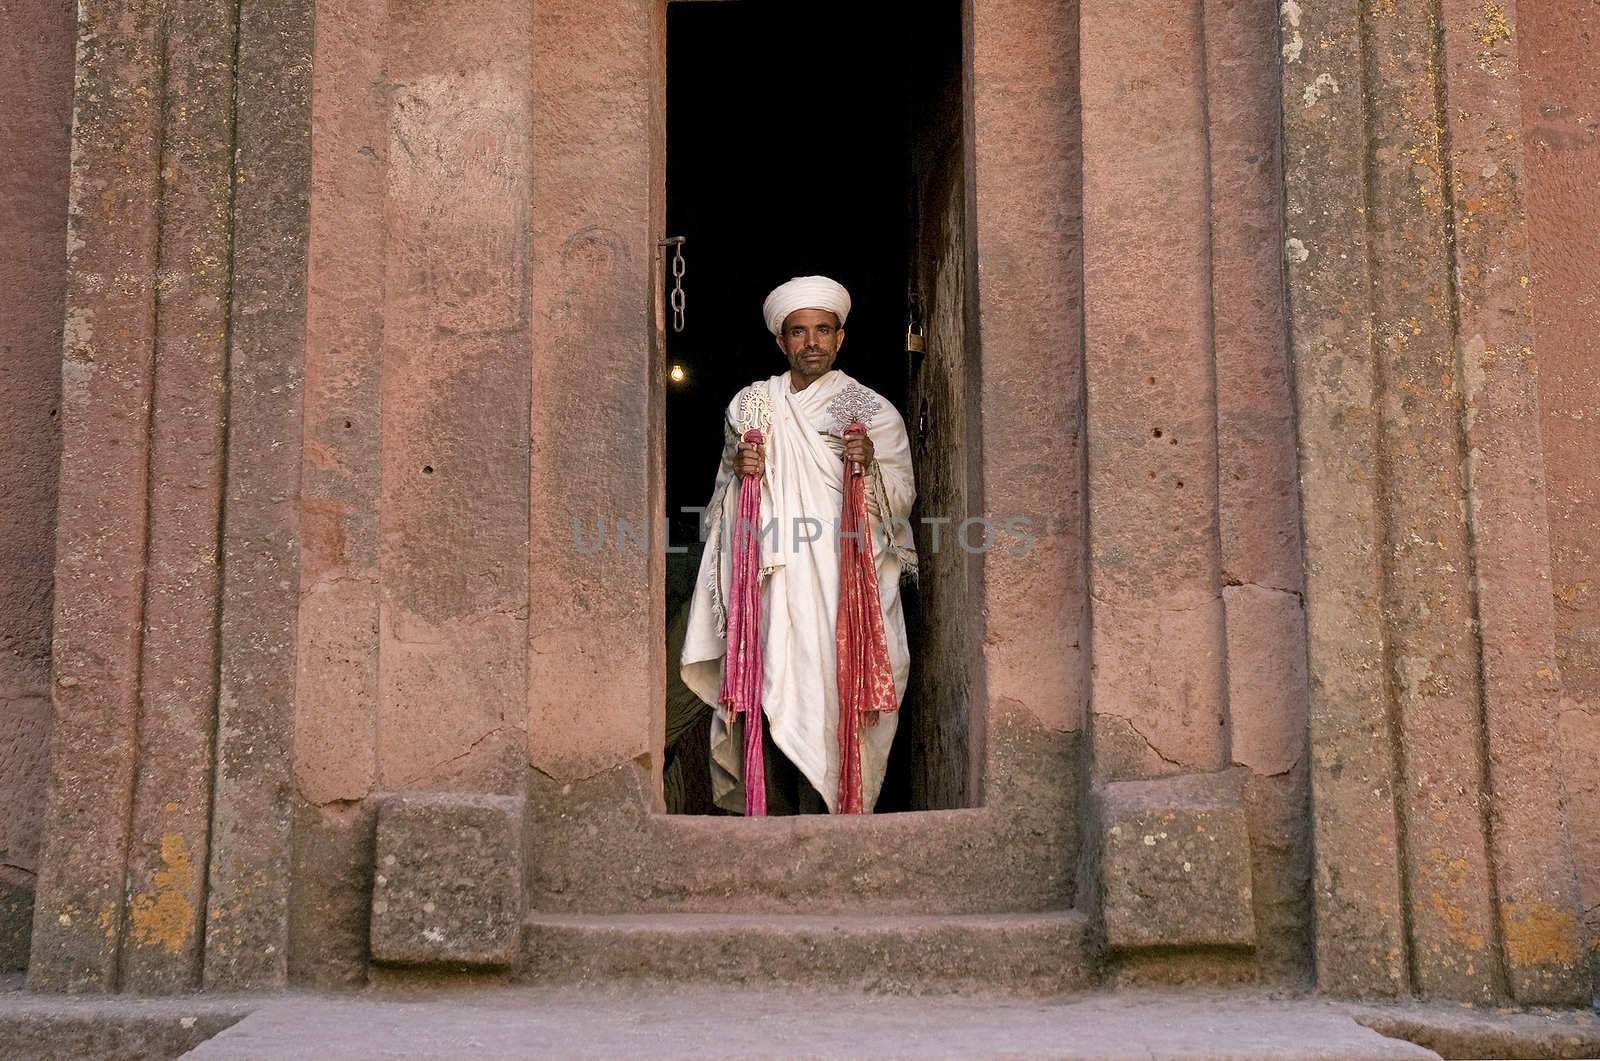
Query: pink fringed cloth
{"x": 741, "y": 672}
{"x": 866, "y": 677}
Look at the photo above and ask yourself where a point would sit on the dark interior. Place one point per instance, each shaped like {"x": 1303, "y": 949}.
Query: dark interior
{"x": 805, "y": 137}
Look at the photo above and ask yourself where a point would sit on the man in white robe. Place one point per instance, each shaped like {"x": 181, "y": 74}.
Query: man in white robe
{"x": 802, "y": 466}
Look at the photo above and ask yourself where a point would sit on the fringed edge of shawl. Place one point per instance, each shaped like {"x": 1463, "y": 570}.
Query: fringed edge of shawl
{"x": 715, "y": 517}
{"x": 906, "y": 554}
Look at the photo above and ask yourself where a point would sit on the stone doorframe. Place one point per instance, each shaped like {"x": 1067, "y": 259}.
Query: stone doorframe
{"x": 596, "y": 666}
{"x": 176, "y": 802}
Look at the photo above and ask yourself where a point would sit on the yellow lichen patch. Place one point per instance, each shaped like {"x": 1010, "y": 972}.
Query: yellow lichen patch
{"x": 1453, "y": 874}
{"x": 1540, "y": 934}
{"x": 1494, "y": 29}
{"x": 1570, "y": 592}
{"x": 1452, "y": 916}
{"x": 167, "y": 916}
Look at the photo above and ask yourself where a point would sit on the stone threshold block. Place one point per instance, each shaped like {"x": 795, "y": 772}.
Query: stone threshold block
{"x": 447, "y": 888}
{"x": 1030, "y": 954}
{"x": 1175, "y": 863}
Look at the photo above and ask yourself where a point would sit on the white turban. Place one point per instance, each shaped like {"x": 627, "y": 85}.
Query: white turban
{"x": 805, "y": 292}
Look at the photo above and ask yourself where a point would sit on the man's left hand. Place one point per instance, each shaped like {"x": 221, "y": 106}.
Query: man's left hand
{"x": 858, "y": 446}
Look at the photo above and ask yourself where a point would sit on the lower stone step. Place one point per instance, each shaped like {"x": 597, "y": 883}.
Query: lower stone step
{"x": 1029, "y": 953}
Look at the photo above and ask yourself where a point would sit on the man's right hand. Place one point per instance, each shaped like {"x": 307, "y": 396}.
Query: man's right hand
{"x": 751, "y": 459}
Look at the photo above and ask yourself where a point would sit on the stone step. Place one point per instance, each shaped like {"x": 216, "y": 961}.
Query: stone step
{"x": 1024, "y": 953}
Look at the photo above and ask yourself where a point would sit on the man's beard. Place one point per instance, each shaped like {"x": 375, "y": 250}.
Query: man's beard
{"x": 818, "y": 369}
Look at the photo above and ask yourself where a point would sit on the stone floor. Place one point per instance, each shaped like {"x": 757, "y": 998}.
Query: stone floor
{"x": 492, "y": 1023}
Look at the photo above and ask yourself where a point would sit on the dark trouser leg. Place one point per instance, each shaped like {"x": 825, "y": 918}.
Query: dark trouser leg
{"x": 788, "y": 790}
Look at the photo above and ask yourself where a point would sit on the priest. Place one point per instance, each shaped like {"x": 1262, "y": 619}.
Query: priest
{"x": 817, "y": 427}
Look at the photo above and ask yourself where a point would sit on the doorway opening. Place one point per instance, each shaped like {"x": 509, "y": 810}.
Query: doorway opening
{"x": 815, "y": 136}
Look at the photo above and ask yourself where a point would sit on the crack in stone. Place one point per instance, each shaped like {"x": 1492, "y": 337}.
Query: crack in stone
{"x": 582, "y": 778}
{"x": 1294, "y": 763}
{"x": 1147, "y": 743}
{"x": 494, "y": 731}
{"x": 1155, "y": 607}
{"x": 336, "y": 580}
{"x": 1230, "y": 583}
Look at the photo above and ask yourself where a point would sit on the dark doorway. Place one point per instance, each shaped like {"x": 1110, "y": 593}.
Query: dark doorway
{"x": 813, "y": 137}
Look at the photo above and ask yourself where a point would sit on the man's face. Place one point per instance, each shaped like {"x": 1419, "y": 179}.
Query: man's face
{"x": 810, "y": 339}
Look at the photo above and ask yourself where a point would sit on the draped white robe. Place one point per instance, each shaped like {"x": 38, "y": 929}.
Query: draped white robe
{"x": 802, "y": 494}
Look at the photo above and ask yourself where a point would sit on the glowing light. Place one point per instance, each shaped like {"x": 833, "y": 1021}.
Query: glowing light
{"x": 677, "y": 373}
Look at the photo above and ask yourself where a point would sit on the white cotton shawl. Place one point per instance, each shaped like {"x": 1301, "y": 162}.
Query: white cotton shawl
{"x": 800, "y": 583}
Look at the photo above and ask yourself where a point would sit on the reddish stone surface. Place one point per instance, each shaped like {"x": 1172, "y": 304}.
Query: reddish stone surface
{"x": 1360, "y": 918}
{"x": 330, "y": 896}
{"x": 1560, "y": 88}
{"x": 1560, "y": 97}
{"x": 481, "y": 267}
{"x": 594, "y": 702}
{"x": 453, "y": 504}
{"x": 170, "y": 819}
{"x": 1031, "y": 954}
{"x": 100, "y": 559}
{"x": 1258, "y": 496}
{"x": 594, "y": 847}
{"x": 1027, "y": 199}
{"x": 1277, "y": 811}
{"x": 1430, "y": 655}
{"x": 147, "y": 378}
{"x": 1407, "y": 584}
{"x": 246, "y": 929}
{"x": 336, "y": 655}
{"x": 411, "y": 634}
{"x": 1151, "y": 384}
{"x": 36, "y": 59}
{"x": 1534, "y": 874}
{"x": 1257, "y": 490}
{"x": 1266, "y": 678}
{"x": 1579, "y": 730}
{"x": 1175, "y": 863}
{"x": 23, "y": 758}
{"x": 447, "y": 886}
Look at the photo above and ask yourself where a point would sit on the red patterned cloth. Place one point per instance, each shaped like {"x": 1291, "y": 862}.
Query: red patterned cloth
{"x": 866, "y": 677}
{"x": 741, "y": 676}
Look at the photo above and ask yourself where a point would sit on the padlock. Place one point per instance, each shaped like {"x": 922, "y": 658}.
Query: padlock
{"x": 915, "y": 342}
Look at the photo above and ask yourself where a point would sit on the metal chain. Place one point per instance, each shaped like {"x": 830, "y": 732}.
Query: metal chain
{"x": 678, "y": 298}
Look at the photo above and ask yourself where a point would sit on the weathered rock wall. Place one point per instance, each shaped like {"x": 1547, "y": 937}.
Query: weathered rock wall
{"x": 346, "y": 356}
{"x": 1155, "y": 567}
{"x": 412, "y": 649}
{"x": 36, "y": 52}
{"x": 1561, "y": 136}
{"x": 182, "y": 353}
{"x": 1195, "y": 563}
{"x": 323, "y": 445}
{"x": 1443, "y": 862}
